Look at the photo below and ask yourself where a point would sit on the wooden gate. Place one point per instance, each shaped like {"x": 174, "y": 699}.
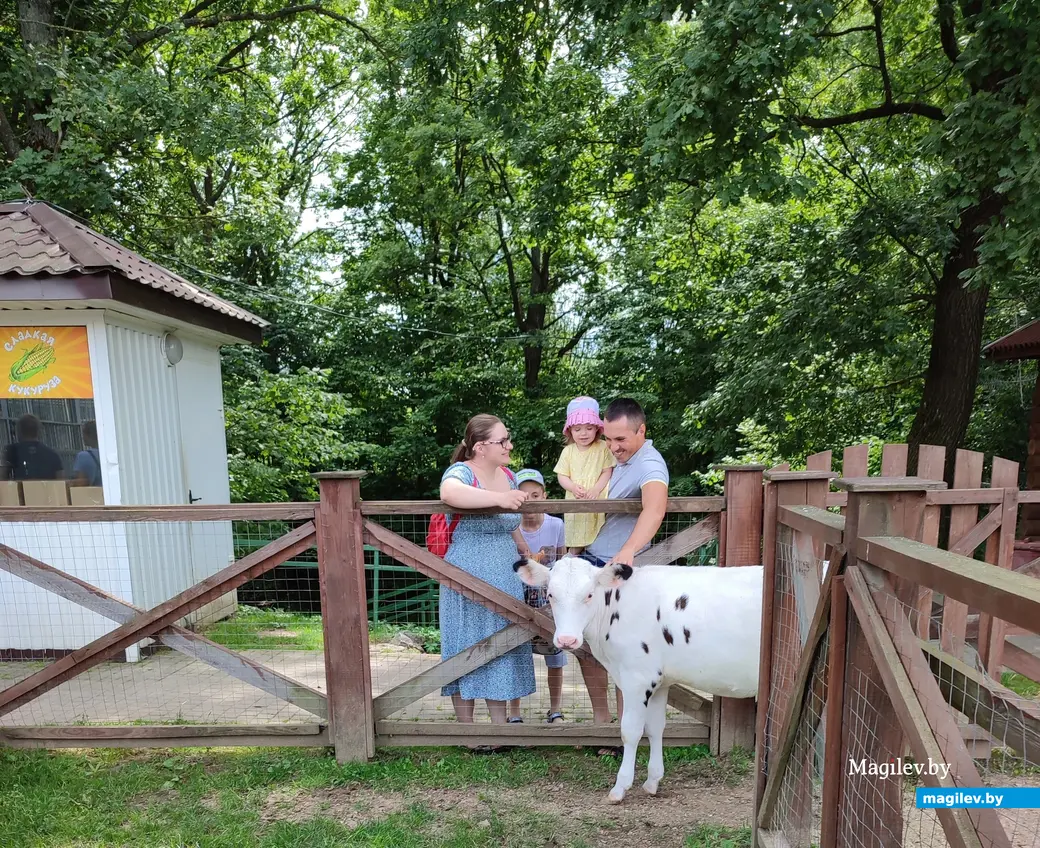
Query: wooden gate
{"x": 868, "y": 649}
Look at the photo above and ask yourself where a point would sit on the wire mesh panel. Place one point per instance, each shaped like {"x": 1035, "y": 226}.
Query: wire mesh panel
{"x": 798, "y": 805}
{"x": 989, "y": 734}
{"x": 406, "y": 614}
{"x": 797, "y": 808}
{"x": 249, "y": 656}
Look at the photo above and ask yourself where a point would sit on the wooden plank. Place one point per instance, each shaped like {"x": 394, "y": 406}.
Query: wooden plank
{"x": 1021, "y": 661}
{"x": 258, "y": 738}
{"x": 832, "y": 754}
{"x": 403, "y": 733}
{"x": 967, "y": 475}
{"x": 931, "y": 465}
{"x": 972, "y": 631}
{"x": 826, "y": 526}
{"x": 763, "y": 755}
{"x": 178, "y": 638}
{"x": 880, "y": 485}
{"x": 965, "y": 496}
{"x": 1011, "y": 718}
{"x": 773, "y": 839}
{"x": 956, "y": 823}
{"x": 1029, "y": 496}
{"x": 743, "y": 491}
{"x": 930, "y": 699}
{"x": 432, "y": 679}
{"x": 782, "y": 476}
{"x": 171, "y": 512}
{"x": 159, "y": 618}
{"x": 550, "y": 505}
{"x": 344, "y": 616}
{"x": 838, "y": 499}
{"x": 461, "y": 581}
{"x": 682, "y": 543}
{"x": 855, "y": 460}
{"x": 819, "y": 461}
{"x": 971, "y": 539}
{"x": 893, "y": 460}
{"x": 1012, "y": 596}
{"x": 789, "y": 722}
{"x": 158, "y": 731}
{"x": 689, "y": 703}
{"x": 1000, "y": 551}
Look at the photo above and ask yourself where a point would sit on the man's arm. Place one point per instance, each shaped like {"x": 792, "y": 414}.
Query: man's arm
{"x": 655, "y": 505}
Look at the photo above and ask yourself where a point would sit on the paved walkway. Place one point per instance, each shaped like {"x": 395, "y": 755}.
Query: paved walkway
{"x": 171, "y": 687}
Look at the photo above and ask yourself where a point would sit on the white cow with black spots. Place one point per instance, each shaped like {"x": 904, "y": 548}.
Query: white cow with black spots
{"x": 653, "y": 626}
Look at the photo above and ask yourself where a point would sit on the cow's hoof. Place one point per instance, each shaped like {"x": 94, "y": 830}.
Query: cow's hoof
{"x": 616, "y": 796}
{"x": 650, "y": 787}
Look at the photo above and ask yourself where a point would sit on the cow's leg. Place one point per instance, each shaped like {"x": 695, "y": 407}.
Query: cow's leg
{"x": 655, "y": 721}
{"x": 631, "y": 733}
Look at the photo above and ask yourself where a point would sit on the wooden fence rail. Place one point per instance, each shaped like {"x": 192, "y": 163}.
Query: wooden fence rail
{"x": 350, "y": 718}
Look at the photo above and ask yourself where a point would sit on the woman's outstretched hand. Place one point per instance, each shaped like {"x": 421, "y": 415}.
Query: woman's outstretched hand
{"x": 511, "y": 499}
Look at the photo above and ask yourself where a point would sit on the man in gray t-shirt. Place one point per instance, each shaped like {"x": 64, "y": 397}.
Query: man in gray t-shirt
{"x": 641, "y": 472}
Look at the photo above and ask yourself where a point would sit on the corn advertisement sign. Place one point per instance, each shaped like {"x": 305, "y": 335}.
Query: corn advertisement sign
{"x": 45, "y": 362}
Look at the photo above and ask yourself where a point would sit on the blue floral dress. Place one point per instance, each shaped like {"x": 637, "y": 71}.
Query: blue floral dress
{"x": 483, "y": 546}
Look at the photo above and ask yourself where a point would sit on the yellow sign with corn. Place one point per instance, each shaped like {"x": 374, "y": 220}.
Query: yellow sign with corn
{"x": 45, "y": 362}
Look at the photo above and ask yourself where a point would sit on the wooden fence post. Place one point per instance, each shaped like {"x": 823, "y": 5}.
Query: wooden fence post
{"x": 344, "y": 615}
{"x": 878, "y": 506}
{"x": 733, "y": 719}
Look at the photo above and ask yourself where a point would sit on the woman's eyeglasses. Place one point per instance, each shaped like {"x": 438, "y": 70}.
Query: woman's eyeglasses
{"x": 502, "y": 442}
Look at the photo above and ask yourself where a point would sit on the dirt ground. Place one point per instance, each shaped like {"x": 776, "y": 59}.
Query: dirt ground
{"x": 666, "y": 819}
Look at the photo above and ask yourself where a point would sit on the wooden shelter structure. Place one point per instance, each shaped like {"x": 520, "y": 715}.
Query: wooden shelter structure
{"x": 94, "y": 336}
{"x": 1024, "y": 344}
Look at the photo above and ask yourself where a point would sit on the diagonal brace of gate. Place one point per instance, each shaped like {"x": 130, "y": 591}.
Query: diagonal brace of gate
{"x": 178, "y": 638}
{"x": 158, "y": 618}
{"x": 520, "y": 614}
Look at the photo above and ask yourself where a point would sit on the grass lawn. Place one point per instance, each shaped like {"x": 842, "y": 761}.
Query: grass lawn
{"x": 407, "y": 799}
{"x": 1022, "y": 685}
{"x": 255, "y": 628}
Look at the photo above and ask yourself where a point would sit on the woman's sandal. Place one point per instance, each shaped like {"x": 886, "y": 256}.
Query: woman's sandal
{"x": 551, "y": 717}
{"x": 515, "y": 720}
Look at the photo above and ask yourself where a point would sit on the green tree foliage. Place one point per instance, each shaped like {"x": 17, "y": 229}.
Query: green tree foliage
{"x": 281, "y": 429}
{"x": 782, "y": 228}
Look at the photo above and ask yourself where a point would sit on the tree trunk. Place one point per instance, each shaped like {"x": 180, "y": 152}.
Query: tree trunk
{"x": 535, "y": 318}
{"x": 36, "y": 26}
{"x": 953, "y": 367}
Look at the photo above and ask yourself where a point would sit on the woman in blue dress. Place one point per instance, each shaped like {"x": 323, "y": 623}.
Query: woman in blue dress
{"x": 486, "y": 546}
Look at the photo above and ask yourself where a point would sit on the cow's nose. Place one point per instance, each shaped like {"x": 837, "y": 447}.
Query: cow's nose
{"x": 566, "y": 641}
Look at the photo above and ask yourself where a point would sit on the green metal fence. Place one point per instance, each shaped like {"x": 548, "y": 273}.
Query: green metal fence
{"x": 397, "y": 594}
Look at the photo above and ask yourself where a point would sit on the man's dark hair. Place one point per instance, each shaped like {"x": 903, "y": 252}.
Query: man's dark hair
{"x": 28, "y": 428}
{"x": 626, "y": 408}
{"x": 89, "y": 432}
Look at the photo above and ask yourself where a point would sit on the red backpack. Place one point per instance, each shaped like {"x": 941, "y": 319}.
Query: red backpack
{"x": 439, "y": 533}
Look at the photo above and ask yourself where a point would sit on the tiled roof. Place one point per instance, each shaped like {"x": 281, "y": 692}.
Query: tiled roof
{"x": 37, "y": 239}
{"x": 1023, "y": 343}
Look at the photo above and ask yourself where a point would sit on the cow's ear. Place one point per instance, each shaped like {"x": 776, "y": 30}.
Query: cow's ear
{"x": 614, "y": 575}
{"x": 532, "y": 572}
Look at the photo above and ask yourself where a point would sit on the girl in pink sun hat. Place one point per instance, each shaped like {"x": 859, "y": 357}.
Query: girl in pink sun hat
{"x": 584, "y": 470}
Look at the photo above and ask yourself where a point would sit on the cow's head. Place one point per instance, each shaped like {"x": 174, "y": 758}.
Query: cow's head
{"x": 576, "y": 590}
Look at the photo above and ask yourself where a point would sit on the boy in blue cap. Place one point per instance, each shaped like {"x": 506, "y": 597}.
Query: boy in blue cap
{"x": 544, "y": 535}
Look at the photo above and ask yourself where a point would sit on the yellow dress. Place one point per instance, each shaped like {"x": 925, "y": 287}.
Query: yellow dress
{"x": 584, "y": 468}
